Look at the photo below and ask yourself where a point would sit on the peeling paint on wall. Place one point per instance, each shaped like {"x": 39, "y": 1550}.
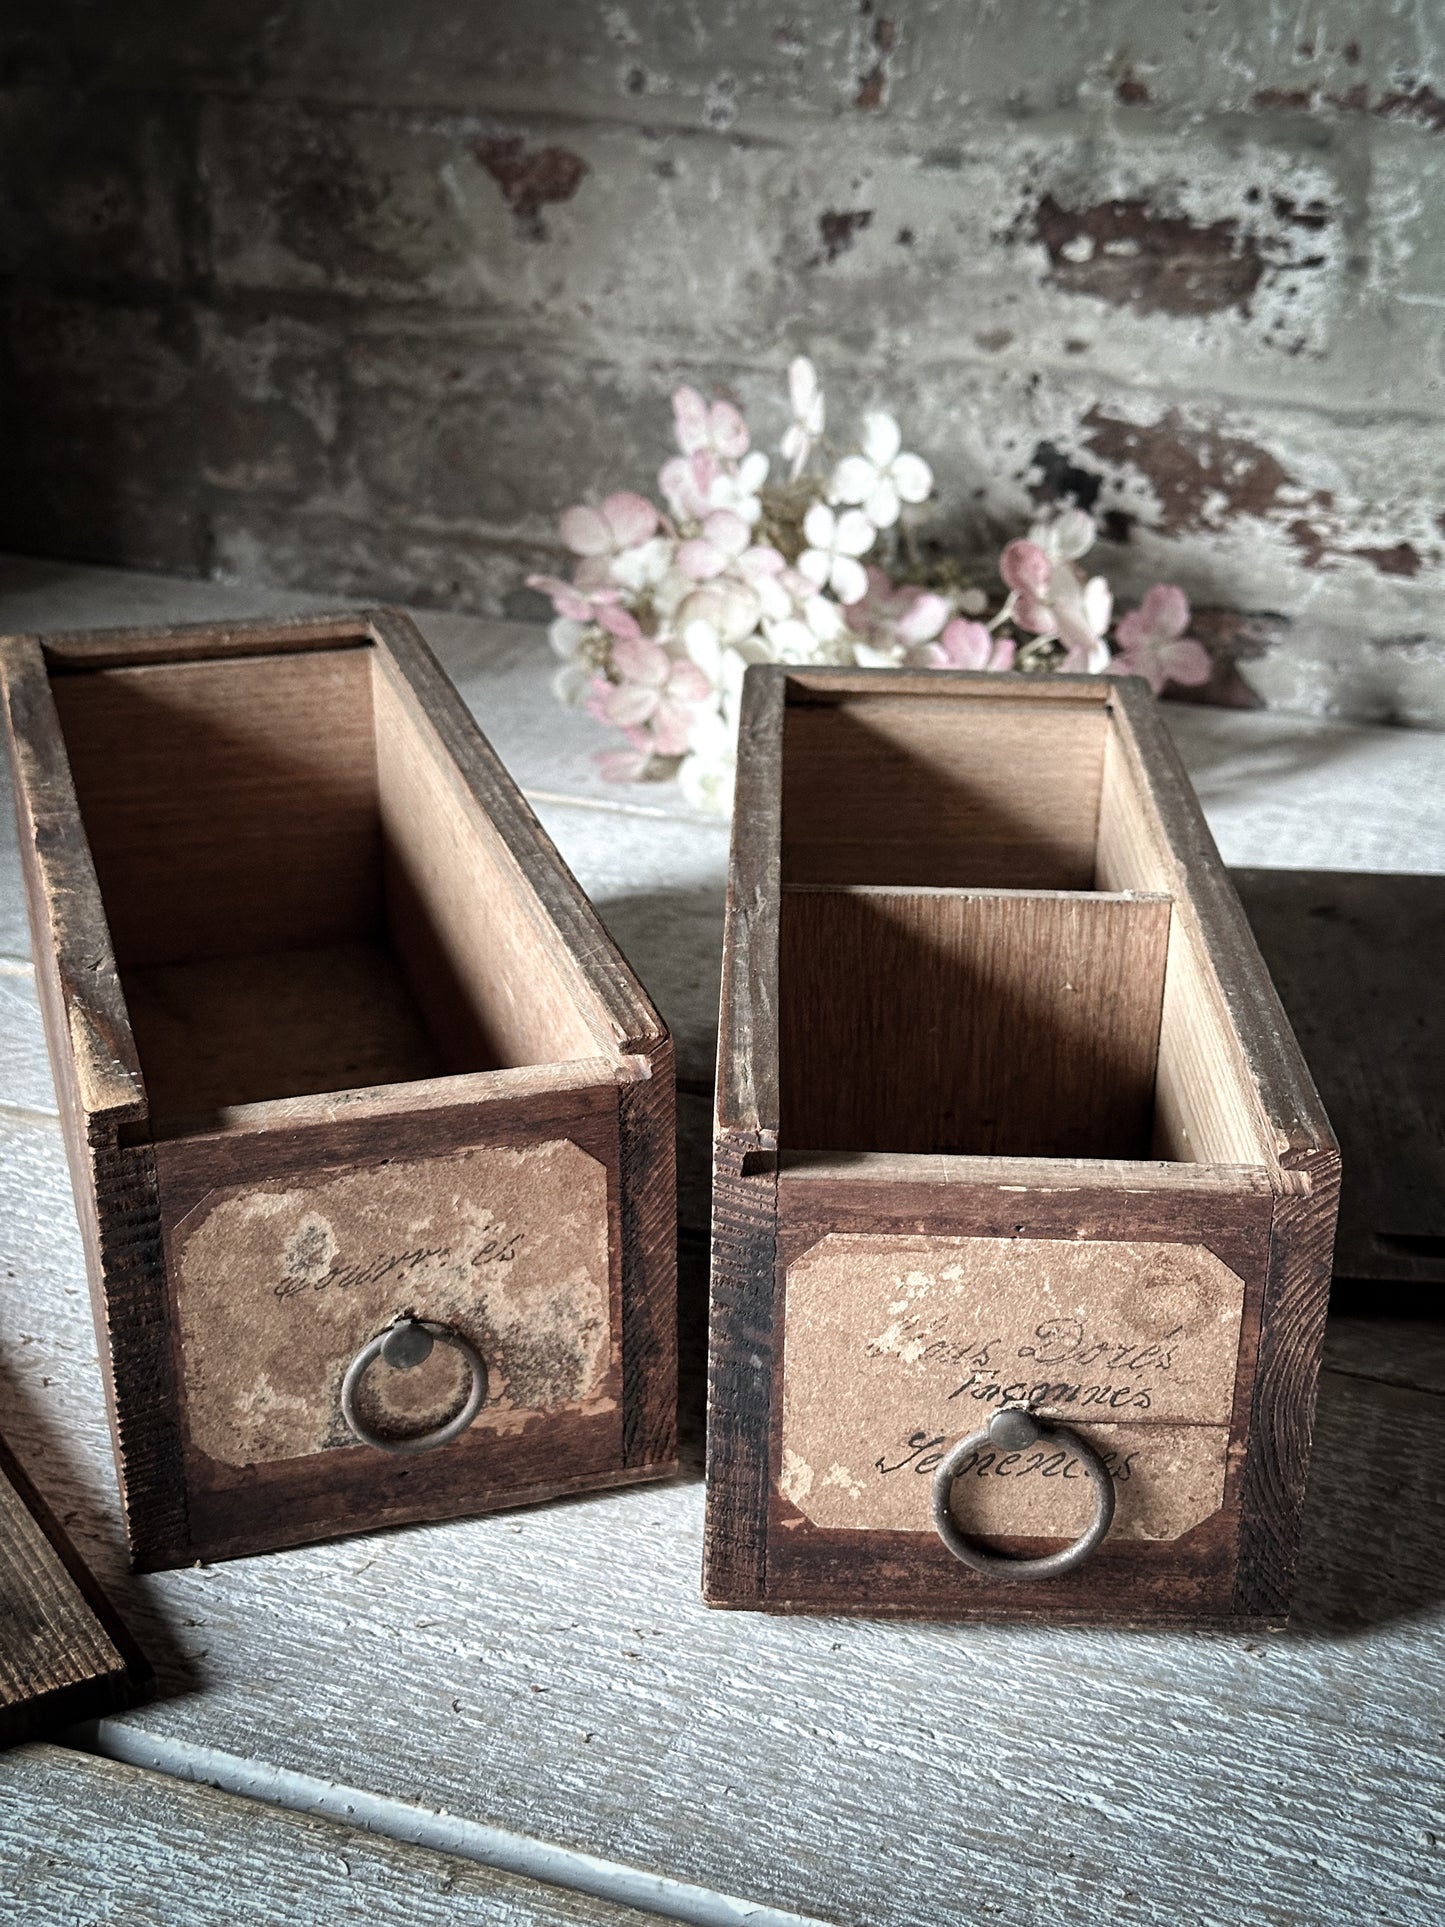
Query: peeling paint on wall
{"x": 530, "y": 182}
{"x": 1125, "y": 253}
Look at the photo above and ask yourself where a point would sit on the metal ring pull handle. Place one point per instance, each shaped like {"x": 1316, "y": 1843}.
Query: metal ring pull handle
{"x": 402, "y": 1345}
{"x": 1015, "y": 1429}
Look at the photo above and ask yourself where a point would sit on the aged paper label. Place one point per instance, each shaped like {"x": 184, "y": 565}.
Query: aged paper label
{"x": 895, "y": 1347}
{"x": 280, "y": 1284}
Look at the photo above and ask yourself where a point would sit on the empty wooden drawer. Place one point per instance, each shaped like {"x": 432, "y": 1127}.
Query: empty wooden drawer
{"x": 1009, "y": 1118}
{"x": 370, "y": 1127}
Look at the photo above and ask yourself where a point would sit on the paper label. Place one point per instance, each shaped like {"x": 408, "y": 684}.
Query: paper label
{"x": 897, "y": 1347}
{"x": 280, "y": 1284}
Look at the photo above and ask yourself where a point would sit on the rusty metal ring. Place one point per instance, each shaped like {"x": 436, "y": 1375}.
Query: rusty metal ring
{"x": 405, "y": 1343}
{"x": 1014, "y": 1429}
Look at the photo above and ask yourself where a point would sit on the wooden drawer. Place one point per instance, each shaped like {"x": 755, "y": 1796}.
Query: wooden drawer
{"x": 339, "y": 1042}
{"x": 1008, "y": 1115}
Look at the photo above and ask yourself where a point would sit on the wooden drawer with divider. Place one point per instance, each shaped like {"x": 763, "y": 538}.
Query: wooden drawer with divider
{"x": 370, "y": 1126}
{"x": 1023, "y": 1198}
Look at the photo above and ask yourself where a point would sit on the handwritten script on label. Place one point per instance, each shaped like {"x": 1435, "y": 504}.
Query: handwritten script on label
{"x": 897, "y": 1347}
{"x": 280, "y": 1284}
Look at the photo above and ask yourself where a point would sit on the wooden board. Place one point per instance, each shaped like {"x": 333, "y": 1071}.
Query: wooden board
{"x": 1015, "y": 1022}
{"x": 87, "y": 1839}
{"x": 64, "y": 1654}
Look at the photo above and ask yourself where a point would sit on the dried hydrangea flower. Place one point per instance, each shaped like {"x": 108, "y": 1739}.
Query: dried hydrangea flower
{"x": 1154, "y": 641}
{"x": 882, "y": 478}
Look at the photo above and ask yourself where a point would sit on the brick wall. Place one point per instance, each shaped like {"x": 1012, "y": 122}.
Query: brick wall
{"x": 356, "y": 296}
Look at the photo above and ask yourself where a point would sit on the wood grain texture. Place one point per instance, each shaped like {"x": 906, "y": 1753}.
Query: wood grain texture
{"x": 1278, "y": 1071}
{"x": 647, "y": 1184}
{"x": 562, "y": 908}
{"x": 64, "y": 1654}
{"x": 917, "y": 788}
{"x": 92, "y": 1840}
{"x": 101, "y": 1096}
{"x": 745, "y": 1151}
{"x": 953, "y": 1021}
{"x": 1281, "y": 1422}
{"x": 229, "y": 804}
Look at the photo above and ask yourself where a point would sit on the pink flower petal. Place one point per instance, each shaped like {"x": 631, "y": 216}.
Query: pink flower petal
{"x": 686, "y": 683}
{"x": 700, "y": 559}
{"x": 923, "y": 619}
{"x": 641, "y": 660}
{"x": 689, "y": 412}
{"x": 728, "y": 531}
{"x": 631, "y": 518}
{"x": 761, "y": 560}
{"x": 1032, "y": 614}
{"x": 963, "y": 645}
{"x": 584, "y": 531}
{"x": 622, "y": 765}
{"x": 629, "y": 703}
{"x": 672, "y": 727}
{"x": 1026, "y": 570}
{"x": 1161, "y": 616}
{"x": 565, "y": 599}
{"x": 1187, "y": 661}
{"x": 1003, "y": 654}
{"x": 729, "y": 432}
{"x": 619, "y": 622}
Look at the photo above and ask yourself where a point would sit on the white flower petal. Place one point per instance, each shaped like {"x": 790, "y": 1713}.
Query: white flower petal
{"x": 882, "y": 438}
{"x": 815, "y": 564}
{"x": 868, "y": 657}
{"x": 752, "y": 472}
{"x": 773, "y": 599}
{"x": 700, "y": 639}
{"x": 854, "y": 534}
{"x": 848, "y": 580}
{"x": 853, "y": 479}
{"x": 820, "y": 526}
{"x": 1074, "y": 534}
{"x": 882, "y": 505}
{"x": 565, "y": 636}
{"x": 791, "y": 640}
{"x": 802, "y": 384}
{"x": 572, "y": 681}
{"x": 912, "y": 477}
{"x": 1098, "y": 604}
{"x": 823, "y": 617}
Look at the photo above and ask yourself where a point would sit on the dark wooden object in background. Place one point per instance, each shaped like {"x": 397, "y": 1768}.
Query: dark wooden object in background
{"x": 1359, "y": 962}
{"x": 1054, "y": 803}
{"x": 303, "y": 949}
{"x": 64, "y": 1654}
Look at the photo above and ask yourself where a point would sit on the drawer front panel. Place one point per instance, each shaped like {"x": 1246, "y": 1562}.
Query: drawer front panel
{"x": 896, "y": 1346}
{"x": 280, "y": 1284}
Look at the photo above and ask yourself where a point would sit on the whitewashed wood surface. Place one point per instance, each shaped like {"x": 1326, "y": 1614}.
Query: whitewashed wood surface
{"x": 89, "y": 1842}
{"x": 547, "y": 1683}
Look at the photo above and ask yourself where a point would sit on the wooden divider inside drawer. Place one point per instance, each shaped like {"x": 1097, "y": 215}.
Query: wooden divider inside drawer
{"x": 1016, "y": 1022}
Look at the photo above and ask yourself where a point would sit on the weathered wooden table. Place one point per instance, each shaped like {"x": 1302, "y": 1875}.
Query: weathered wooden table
{"x": 532, "y": 1718}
